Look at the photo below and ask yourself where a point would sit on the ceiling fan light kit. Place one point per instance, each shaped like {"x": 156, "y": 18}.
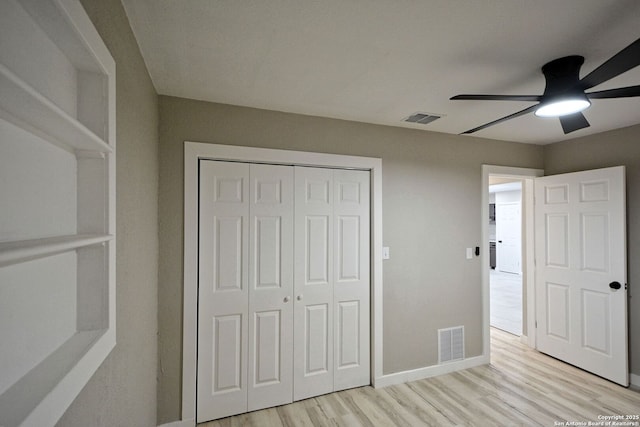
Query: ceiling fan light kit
{"x": 564, "y": 94}
{"x": 563, "y": 106}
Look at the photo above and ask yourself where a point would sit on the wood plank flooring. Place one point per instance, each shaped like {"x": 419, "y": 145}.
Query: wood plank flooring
{"x": 506, "y": 301}
{"x": 521, "y": 387}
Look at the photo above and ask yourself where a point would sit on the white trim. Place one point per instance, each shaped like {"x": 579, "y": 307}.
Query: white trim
{"x": 527, "y": 176}
{"x": 182, "y": 423}
{"x": 193, "y": 152}
{"x": 430, "y": 371}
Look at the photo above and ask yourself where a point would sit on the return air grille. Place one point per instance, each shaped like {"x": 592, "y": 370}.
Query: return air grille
{"x": 421, "y": 118}
{"x": 450, "y": 344}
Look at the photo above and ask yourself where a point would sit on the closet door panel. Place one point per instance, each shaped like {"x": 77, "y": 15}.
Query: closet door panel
{"x": 270, "y": 286}
{"x": 313, "y": 271}
{"x": 223, "y": 289}
{"x": 283, "y": 285}
{"x": 351, "y": 209}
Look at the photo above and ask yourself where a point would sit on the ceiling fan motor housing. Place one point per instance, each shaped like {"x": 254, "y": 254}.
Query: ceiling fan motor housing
{"x": 562, "y": 76}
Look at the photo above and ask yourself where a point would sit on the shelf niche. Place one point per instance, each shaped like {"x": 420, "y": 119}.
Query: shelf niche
{"x": 57, "y": 225}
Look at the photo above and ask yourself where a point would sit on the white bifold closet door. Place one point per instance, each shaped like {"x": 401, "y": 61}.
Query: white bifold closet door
{"x": 270, "y": 286}
{"x": 245, "y": 285}
{"x": 223, "y": 289}
{"x": 263, "y": 340}
{"x": 331, "y": 281}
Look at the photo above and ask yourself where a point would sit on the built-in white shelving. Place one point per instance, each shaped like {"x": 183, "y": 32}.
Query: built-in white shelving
{"x": 24, "y": 106}
{"x": 16, "y": 402}
{"x": 26, "y": 250}
{"x": 57, "y": 222}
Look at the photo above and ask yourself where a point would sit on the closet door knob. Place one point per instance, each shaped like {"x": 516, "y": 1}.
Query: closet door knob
{"x": 286, "y": 299}
{"x": 299, "y": 298}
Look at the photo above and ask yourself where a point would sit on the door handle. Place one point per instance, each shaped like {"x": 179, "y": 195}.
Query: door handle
{"x": 615, "y": 285}
{"x": 299, "y": 298}
{"x": 499, "y": 241}
{"x": 286, "y": 299}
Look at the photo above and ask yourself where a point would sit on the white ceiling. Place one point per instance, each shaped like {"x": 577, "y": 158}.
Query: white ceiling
{"x": 380, "y": 61}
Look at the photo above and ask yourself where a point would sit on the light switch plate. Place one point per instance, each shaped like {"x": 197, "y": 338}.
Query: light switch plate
{"x": 385, "y": 252}
{"x": 469, "y": 253}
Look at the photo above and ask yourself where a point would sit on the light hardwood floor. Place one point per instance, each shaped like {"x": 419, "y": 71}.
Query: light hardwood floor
{"x": 521, "y": 387}
{"x": 506, "y": 301}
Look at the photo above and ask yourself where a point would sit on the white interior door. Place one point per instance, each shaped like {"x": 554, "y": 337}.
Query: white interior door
{"x": 270, "y": 381}
{"x": 253, "y": 285}
{"x": 351, "y": 278}
{"x": 223, "y": 289}
{"x": 508, "y": 235}
{"x": 313, "y": 275}
{"x": 581, "y": 296}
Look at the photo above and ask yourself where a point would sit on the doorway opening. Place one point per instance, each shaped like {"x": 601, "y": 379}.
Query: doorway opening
{"x": 505, "y": 253}
{"x": 525, "y": 177}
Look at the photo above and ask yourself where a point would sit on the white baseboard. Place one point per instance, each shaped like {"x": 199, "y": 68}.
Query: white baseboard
{"x": 429, "y": 371}
{"x": 182, "y": 423}
{"x": 635, "y": 380}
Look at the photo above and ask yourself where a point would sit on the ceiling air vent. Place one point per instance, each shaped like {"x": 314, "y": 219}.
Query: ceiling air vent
{"x": 422, "y": 118}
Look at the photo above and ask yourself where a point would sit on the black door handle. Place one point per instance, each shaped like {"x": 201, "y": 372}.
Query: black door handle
{"x": 615, "y": 285}
{"x": 499, "y": 241}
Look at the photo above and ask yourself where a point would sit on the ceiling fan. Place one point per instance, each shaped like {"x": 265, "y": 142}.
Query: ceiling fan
{"x": 564, "y": 94}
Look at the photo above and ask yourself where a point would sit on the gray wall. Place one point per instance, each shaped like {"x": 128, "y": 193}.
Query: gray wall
{"x": 431, "y": 212}
{"x": 614, "y": 148}
{"x": 431, "y": 205}
{"x": 123, "y": 390}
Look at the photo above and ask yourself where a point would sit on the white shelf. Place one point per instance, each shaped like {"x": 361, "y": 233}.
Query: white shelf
{"x": 20, "y": 400}
{"x": 27, "y": 108}
{"x": 26, "y": 250}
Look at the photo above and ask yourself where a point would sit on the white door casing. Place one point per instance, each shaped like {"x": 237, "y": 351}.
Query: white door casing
{"x": 270, "y": 377}
{"x": 508, "y": 231}
{"x": 194, "y": 154}
{"x": 581, "y": 249}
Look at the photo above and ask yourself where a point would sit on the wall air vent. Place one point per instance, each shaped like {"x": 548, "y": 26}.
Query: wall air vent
{"x": 422, "y": 118}
{"x": 450, "y": 344}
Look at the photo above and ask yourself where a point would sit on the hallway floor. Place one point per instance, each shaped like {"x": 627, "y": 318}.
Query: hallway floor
{"x": 506, "y": 301}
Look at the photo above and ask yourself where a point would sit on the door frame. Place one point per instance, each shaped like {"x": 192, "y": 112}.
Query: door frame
{"x": 193, "y": 153}
{"x": 527, "y": 176}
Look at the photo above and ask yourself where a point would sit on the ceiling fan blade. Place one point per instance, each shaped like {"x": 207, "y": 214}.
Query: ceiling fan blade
{"x": 626, "y": 59}
{"x": 573, "y": 122}
{"x": 621, "y": 92}
{"x": 534, "y": 98}
{"x": 504, "y": 119}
